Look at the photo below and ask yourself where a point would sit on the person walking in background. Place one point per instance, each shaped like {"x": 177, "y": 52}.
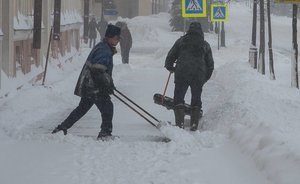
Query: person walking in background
{"x": 101, "y": 27}
{"x": 194, "y": 67}
{"x": 125, "y": 42}
{"x": 95, "y": 84}
{"x": 92, "y": 32}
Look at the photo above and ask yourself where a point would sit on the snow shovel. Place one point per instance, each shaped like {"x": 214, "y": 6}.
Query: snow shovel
{"x": 139, "y": 107}
{"x": 167, "y": 101}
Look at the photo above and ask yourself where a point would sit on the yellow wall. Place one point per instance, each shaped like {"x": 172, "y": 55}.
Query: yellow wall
{"x": 145, "y": 7}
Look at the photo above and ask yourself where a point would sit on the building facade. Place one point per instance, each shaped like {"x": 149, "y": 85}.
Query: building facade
{"x": 16, "y": 24}
{"x": 17, "y": 54}
{"x": 129, "y": 8}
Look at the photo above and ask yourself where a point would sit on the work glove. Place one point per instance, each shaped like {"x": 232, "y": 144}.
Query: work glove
{"x": 108, "y": 83}
{"x": 170, "y": 68}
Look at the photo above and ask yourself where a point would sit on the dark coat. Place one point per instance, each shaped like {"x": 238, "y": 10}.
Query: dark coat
{"x": 95, "y": 77}
{"x": 101, "y": 27}
{"x": 193, "y": 57}
{"x": 93, "y": 29}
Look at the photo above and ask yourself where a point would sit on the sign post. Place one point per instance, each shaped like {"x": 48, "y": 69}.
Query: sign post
{"x": 294, "y": 62}
{"x": 219, "y": 13}
{"x": 192, "y": 9}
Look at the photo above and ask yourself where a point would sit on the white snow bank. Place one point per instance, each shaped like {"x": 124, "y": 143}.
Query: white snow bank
{"x": 262, "y": 117}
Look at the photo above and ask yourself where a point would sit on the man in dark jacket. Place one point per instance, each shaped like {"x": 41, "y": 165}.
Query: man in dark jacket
{"x": 194, "y": 67}
{"x": 95, "y": 84}
{"x": 101, "y": 27}
{"x": 92, "y": 32}
{"x": 125, "y": 41}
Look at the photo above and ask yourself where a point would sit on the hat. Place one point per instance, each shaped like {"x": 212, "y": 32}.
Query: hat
{"x": 112, "y": 31}
{"x": 195, "y": 27}
{"x": 119, "y": 24}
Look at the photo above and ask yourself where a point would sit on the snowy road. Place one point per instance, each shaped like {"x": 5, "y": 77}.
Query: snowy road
{"x": 138, "y": 156}
{"x": 250, "y": 124}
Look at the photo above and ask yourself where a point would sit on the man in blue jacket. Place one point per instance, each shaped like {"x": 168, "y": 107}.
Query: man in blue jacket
{"x": 95, "y": 84}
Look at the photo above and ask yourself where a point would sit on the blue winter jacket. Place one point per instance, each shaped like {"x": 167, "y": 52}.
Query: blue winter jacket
{"x": 102, "y": 54}
{"x": 95, "y": 77}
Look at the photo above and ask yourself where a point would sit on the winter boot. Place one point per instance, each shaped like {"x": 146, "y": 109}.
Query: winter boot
{"x": 179, "y": 115}
{"x": 103, "y": 135}
{"x": 60, "y": 128}
{"x": 196, "y": 114}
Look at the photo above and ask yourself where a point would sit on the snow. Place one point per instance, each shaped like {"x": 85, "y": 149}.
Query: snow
{"x": 250, "y": 129}
{"x": 22, "y": 22}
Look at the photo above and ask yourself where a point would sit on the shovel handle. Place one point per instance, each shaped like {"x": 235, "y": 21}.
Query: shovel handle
{"x": 167, "y": 83}
{"x": 137, "y": 105}
{"x": 135, "y": 111}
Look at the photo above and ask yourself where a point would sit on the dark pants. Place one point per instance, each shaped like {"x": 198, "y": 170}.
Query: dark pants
{"x": 92, "y": 41}
{"x": 104, "y": 105}
{"x": 125, "y": 56}
{"x": 181, "y": 89}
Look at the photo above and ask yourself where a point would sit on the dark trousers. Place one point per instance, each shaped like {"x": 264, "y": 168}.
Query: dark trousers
{"x": 104, "y": 105}
{"x": 92, "y": 41}
{"x": 181, "y": 89}
{"x": 125, "y": 56}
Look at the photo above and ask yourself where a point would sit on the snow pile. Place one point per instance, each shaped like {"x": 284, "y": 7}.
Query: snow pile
{"x": 262, "y": 117}
{"x": 22, "y": 22}
{"x": 70, "y": 17}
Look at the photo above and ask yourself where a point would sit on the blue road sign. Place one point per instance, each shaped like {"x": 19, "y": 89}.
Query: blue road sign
{"x": 219, "y": 12}
{"x": 193, "y": 8}
{"x": 110, "y": 12}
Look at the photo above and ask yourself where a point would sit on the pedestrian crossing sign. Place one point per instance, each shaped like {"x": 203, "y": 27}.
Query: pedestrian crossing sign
{"x": 219, "y": 13}
{"x": 193, "y": 8}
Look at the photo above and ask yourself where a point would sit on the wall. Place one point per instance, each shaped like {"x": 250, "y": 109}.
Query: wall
{"x": 17, "y": 23}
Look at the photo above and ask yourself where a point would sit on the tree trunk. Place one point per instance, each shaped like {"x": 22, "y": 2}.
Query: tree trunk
{"x": 295, "y": 80}
{"x": 261, "y": 61}
{"x": 271, "y": 62}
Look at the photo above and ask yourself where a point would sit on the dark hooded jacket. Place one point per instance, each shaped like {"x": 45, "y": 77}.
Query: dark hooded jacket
{"x": 95, "y": 78}
{"x": 93, "y": 29}
{"x": 101, "y": 27}
{"x": 126, "y": 39}
{"x": 193, "y": 57}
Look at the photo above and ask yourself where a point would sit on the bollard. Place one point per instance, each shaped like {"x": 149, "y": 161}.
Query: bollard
{"x": 253, "y": 57}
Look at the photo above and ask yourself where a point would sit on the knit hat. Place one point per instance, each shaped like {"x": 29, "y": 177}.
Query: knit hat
{"x": 195, "y": 27}
{"x": 112, "y": 31}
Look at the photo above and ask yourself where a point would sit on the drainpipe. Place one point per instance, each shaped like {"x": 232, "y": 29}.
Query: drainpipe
{"x": 8, "y": 64}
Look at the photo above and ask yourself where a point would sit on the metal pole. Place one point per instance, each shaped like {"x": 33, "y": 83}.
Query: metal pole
{"x": 261, "y": 64}
{"x": 137, "y": 105}
{"x": 136, "y": 111}
{"x": 254, "y": 22}
{"x": 295, "y": 77}
{"x": 163, "y": 96}
{"x": 102, "y": 9}
{"x": 271, "y": 61}
{"x": 47, "y": 57}
{"x": 223, "y": 35}
{"x": 253, "y": 48}
{"x": 218, "y": 35}
{"x": 184, "y": 26}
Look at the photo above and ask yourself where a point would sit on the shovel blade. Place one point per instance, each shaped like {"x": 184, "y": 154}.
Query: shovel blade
{"x": 169, "y": 103}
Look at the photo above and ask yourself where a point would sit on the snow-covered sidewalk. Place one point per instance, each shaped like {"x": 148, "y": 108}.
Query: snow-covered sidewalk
{"x": 250, "y": 125}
